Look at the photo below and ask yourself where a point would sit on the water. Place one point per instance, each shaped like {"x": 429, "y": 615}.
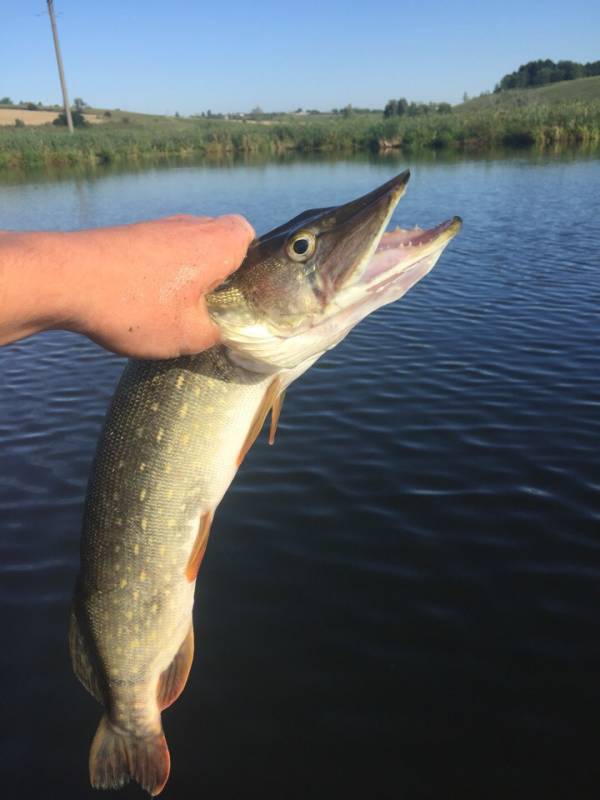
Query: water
{"x": 401, "y": 598}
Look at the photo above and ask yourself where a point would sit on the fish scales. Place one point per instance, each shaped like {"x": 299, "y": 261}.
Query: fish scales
{"x": 166, "y": 456}
{"x": 168, "y": 451}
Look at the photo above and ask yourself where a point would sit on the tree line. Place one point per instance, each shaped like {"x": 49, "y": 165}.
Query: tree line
{"x": 401, "y": 107}
{"x": 542, "y": 71}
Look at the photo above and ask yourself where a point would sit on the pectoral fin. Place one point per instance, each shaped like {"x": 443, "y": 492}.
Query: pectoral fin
{"x": 268, "y": 402}
{"x": 275, "y": 412}
{"x": 173, "y": 680}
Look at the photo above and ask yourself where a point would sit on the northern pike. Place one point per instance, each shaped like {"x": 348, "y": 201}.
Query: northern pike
{"x": 174, "y": 437}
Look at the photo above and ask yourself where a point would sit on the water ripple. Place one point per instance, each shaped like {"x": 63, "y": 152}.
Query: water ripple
{"x": 422, "y": 543}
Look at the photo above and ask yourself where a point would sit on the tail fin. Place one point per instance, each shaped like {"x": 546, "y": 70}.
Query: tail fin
{"x": 117, "y": 756}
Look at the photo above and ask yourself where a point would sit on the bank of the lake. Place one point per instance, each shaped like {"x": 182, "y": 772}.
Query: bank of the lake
{"x": 142, "y": 139}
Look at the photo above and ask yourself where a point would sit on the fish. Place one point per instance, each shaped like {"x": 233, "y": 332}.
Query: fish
{"x": 174, "y": 437}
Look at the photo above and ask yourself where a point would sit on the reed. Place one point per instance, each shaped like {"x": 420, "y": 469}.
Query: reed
{"x": 476, "y": 130}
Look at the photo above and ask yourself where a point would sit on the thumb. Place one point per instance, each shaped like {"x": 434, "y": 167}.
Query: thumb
{"x": 197, "y": 331}
{"x": 233, "y": 235}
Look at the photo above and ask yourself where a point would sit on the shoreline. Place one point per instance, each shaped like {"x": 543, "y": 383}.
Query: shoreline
{"x": 542, "y": 128}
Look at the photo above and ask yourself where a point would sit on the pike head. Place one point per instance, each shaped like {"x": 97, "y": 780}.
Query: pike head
{"x": 304, "y": 285}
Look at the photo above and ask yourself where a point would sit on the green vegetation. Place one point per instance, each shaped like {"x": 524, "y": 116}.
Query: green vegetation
{"x": 544, "y": 126}
{"x": 543, "y": 71}
{"x": 401, "y": 107}
{"x": 566, "y": 113}
{"x": 584, "y": 90}
{"x": 77, "y": 118}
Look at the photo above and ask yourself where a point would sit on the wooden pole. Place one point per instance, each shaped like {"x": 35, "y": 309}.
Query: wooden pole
{"x": 61, "y": 72}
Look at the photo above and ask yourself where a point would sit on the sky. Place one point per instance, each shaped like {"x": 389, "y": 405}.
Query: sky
{"x": 184, "y": 56}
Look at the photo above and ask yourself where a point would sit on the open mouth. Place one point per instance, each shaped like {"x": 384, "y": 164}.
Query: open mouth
{"x": 404, "y": 256}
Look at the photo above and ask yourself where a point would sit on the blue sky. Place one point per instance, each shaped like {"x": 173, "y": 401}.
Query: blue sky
{"x": 178, "y": 55}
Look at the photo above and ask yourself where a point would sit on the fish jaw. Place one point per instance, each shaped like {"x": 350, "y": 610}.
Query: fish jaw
{"x": 291, "y": 274}
{"x": 401, "y": 259}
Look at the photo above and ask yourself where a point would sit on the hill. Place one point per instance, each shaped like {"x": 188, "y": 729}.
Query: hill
{"x": 584, "y": 90}
{"x": 544, "y": 70}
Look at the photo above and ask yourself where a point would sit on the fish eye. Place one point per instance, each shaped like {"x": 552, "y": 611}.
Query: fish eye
{"x": 301, "y": 246}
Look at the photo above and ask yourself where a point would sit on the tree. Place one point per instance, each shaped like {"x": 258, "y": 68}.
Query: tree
{"x": 397, "y": 108}
{"x": 6, "y": 101}
{"x": 571, "y": 70}
{"x": 79, "y": 104}
{"x": 347, "y": 110}
{"x": 544, "y": 71}
{"x": 415, "y": 109}
{"x": 591, "y": 68}
{"x": 79, "y": 121}
{"x": 391, "y": 108}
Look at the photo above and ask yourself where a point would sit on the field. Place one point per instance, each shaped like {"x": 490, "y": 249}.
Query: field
{"x": 558, "y": 114}
{"x": 8, "y": 116}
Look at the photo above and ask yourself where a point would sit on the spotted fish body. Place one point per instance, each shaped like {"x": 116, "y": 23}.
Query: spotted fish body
{"x": 173, "y": 440}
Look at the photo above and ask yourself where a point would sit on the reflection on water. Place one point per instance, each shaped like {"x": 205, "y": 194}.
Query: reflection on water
{"x": 401, "y": 598}
{"x": 392, "y": 157}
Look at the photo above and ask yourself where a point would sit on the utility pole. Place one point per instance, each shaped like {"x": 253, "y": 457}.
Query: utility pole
{"x": 61, "y": 71}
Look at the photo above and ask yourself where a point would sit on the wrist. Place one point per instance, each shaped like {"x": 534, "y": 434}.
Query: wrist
{"x": 34, "y": 283}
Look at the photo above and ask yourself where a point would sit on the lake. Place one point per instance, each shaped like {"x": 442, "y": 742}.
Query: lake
{"x": 401, "y": 598}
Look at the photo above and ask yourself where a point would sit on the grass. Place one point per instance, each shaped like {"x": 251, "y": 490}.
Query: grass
{"x": 474, "y": 126}
{"x": 585, "y": 90}
{"x": 539, "y": 125}
{"x": 145, "y": 139}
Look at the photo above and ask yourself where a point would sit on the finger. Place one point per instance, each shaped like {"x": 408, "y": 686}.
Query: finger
{"x": 239, "y": 223}
{"x": 225, "y": 250}
{"x": 186, "y": 218}
{"x": 236, "y": 233}
{"x": 198, "y": 331}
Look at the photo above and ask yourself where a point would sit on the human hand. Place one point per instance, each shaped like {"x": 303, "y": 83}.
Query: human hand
{"x": 137, "y": 290}
{"x": 154, "y": 278}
